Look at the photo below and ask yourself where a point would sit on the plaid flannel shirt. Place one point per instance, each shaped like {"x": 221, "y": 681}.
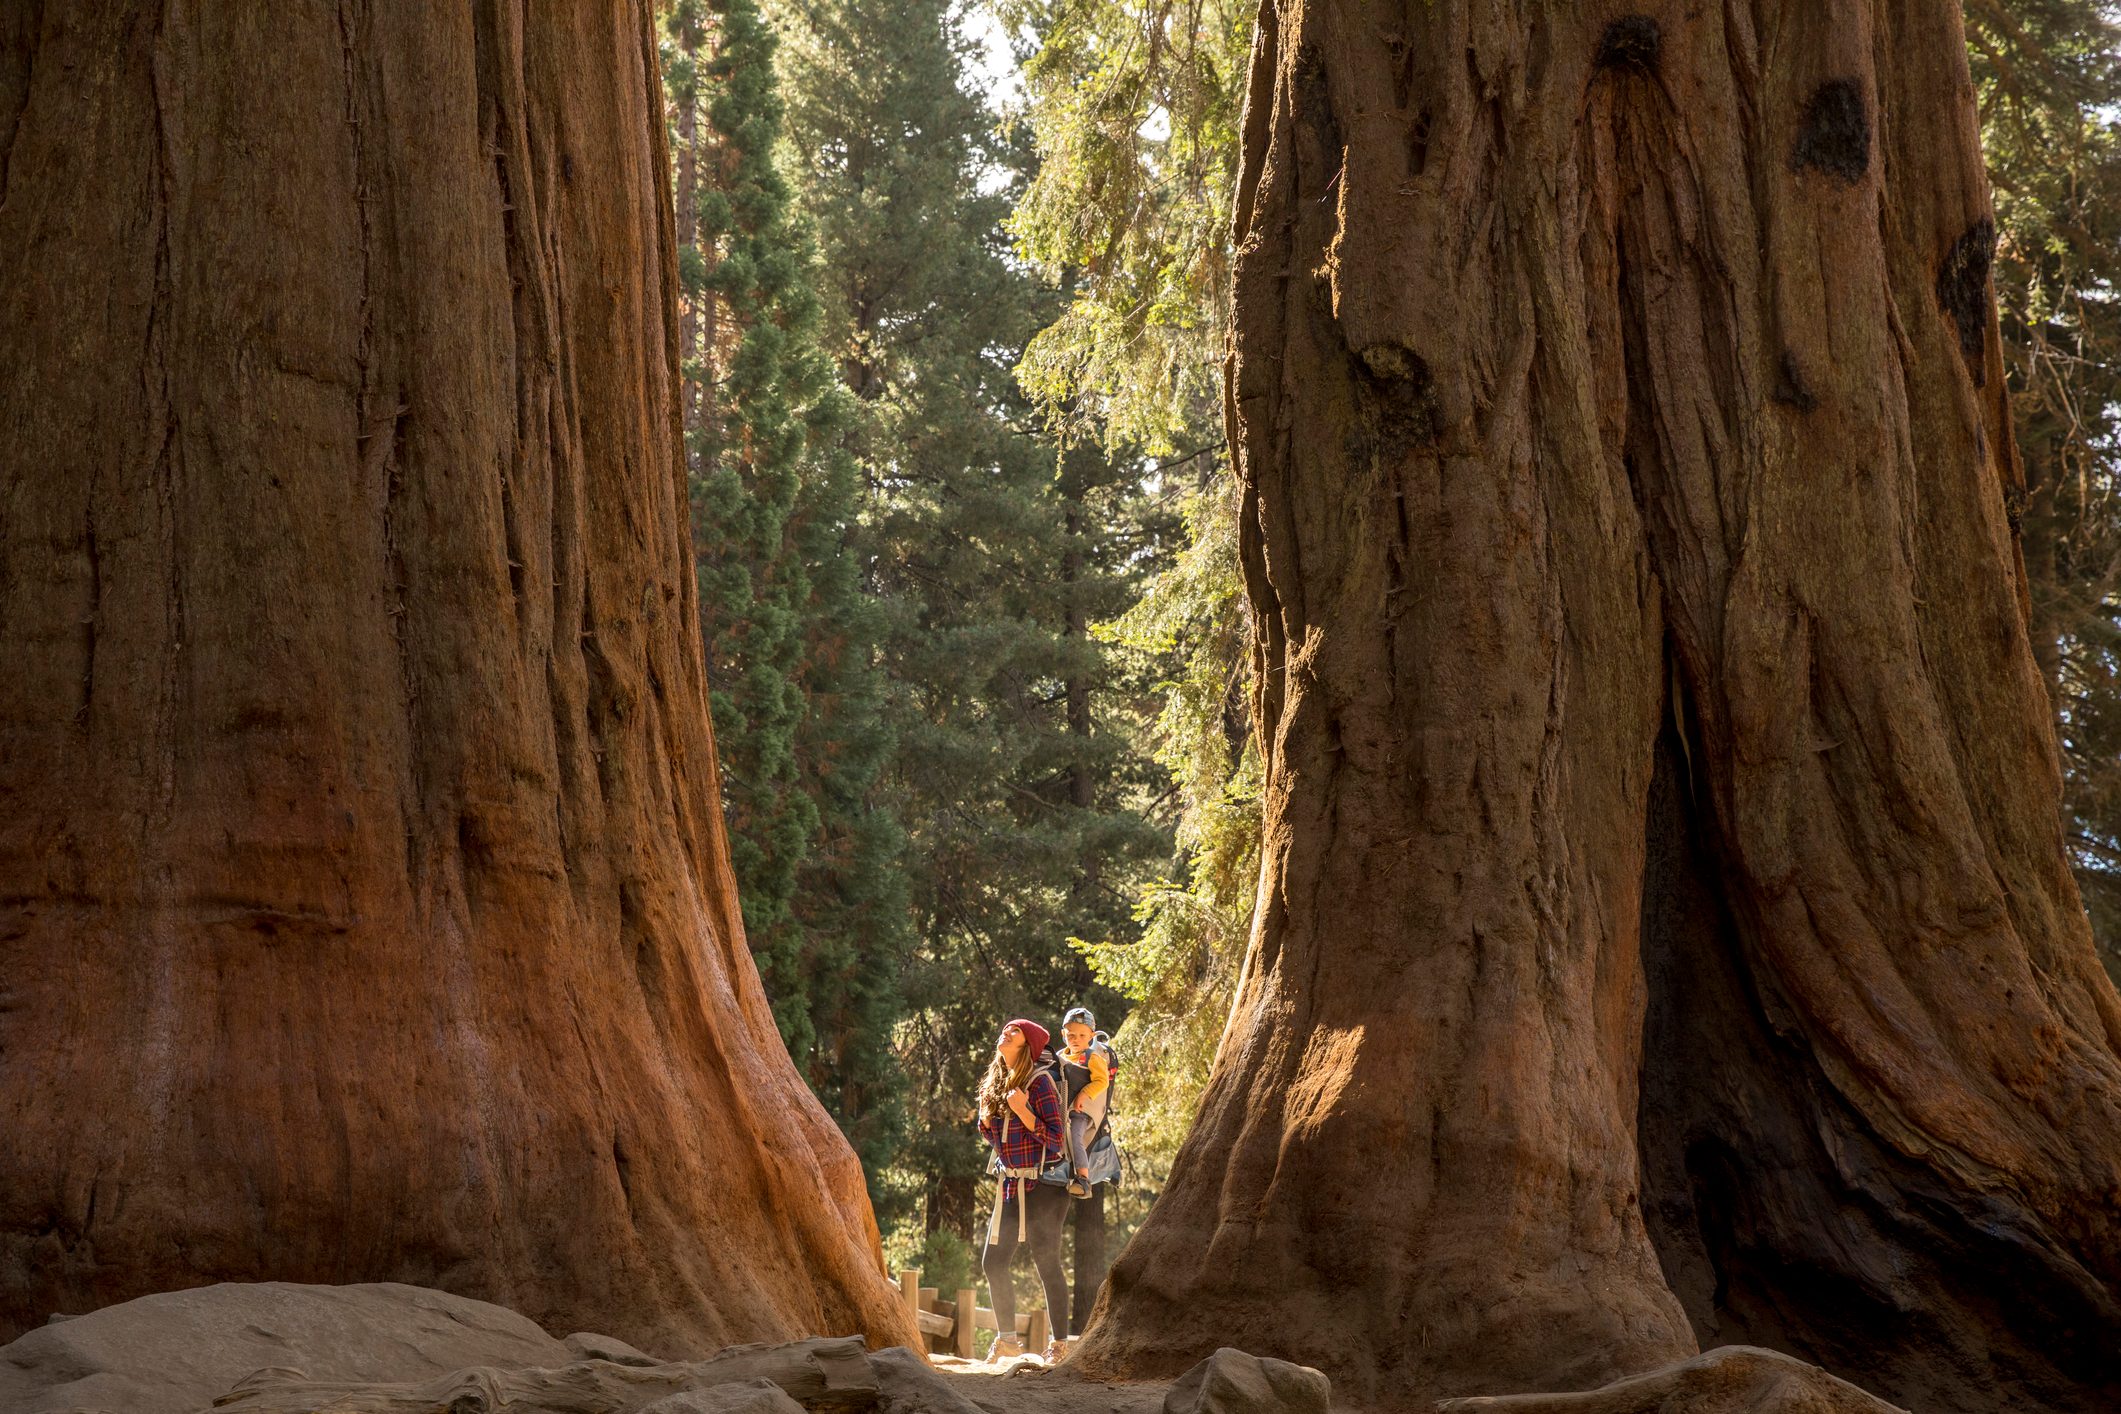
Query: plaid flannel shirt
{"x": 1025, "y": 1146}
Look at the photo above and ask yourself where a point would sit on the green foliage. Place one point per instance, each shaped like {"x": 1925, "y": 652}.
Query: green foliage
{"x": 2048, "y": 72}
{"x": 1181, "y": 971}
{"x": 947, "y": 1260}
{"x": 1133, "y": 106}
{"x": 797, "y": 700}
{"x": 1134, "y": 110}
{"x": 989, "y": 551}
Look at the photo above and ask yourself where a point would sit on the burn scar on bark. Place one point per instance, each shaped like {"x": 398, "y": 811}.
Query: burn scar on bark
{"x": 1398, "y": 397}
{"x": 1962, "y": 292}
{"x": 1790, "y": 387}
{"x": 1315, "y": 101}
{"x": 1835, "y": 136}
{"x": 1403, "y": 62}
{"x": 1630, "y": 45}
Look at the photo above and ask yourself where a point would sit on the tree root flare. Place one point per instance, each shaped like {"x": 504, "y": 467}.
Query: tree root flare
{"x": 1733, "y": 1379}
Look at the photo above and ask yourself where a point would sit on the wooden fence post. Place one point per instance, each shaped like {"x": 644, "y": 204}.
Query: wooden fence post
{"x": 909, "y": 1290}
{"x": 961, "y": 1334}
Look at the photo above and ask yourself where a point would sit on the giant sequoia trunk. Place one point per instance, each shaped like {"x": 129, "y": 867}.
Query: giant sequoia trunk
{"x": 1630, "y": 524}
{"x": 364, "y": 906}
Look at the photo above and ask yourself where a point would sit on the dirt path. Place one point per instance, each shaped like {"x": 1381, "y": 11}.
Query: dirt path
{"x": 1027, "y": 1386}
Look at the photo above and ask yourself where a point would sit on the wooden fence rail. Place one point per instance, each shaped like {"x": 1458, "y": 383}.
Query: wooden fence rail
{"x": 947, "y": 1326}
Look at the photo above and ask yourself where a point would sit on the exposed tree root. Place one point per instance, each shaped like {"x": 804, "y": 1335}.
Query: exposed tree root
{"x": 1735, "y": 1379}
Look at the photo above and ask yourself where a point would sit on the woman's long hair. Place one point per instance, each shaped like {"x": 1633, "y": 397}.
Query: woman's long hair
{"x": 1001, "y": 1078}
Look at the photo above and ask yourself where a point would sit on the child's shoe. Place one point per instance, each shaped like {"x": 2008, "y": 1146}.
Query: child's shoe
{"x": 1078, "y": 1189}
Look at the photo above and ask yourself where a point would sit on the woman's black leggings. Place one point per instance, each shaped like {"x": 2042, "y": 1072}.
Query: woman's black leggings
{"x": 1049, "y": 1209}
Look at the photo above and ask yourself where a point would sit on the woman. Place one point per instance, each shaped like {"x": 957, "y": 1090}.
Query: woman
{"x": 1020, "y": 1115}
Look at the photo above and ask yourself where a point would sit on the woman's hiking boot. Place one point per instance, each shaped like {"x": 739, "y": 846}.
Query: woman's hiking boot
{"x": 1006, "y": 1347}
{"x": 1056, "y": 1352}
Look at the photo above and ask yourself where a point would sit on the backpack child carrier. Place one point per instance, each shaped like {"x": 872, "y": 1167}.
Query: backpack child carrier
{"x": 1101, "y": 1151}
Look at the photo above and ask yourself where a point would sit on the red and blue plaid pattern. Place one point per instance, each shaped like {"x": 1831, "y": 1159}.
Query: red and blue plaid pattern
{"x": 1023, "y": 1146}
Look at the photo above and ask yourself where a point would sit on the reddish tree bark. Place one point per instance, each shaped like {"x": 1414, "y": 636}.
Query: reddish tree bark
{"x": 1605, "y": 378}
{"x": 365, "y": 910}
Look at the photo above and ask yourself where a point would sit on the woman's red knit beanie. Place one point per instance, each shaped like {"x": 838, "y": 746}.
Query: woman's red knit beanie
{"x": 1035, "y": 1035}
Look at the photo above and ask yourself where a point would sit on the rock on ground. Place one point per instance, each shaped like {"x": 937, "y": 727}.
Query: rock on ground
{"x": 1232, "y": 1382}
{"x": 909, "y": 1385}
{"x": 822, "y": 1376}
{"x": 280, "y": 1348}
{"x": 177, "y": 1351}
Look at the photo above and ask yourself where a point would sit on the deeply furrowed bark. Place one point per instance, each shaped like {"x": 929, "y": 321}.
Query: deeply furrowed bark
{"x": 1604, "y": 378}
{"x": 364, "y": 905}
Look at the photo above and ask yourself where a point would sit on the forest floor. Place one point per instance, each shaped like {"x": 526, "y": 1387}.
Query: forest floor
{"x": 1029, "y": 1386}
{"x": 389, "y": 1348}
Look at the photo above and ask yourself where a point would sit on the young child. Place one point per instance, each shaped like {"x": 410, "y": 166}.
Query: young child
{"x": 1085, "y": 1047}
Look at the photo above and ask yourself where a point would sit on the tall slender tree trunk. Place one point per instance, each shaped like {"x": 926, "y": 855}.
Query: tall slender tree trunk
{"x": 690, "y": 37}
{"x": 1630, "y": 499}
{"x": 1075, "y": 629}
{"x": 365, "y": 910}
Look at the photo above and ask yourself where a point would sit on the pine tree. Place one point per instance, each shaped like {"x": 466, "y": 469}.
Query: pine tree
{"x": 990, "y": 550}
{"x": 1133, "y": 111}
{"x": 797, "y": 700}
{"x": 2048, "y": 71}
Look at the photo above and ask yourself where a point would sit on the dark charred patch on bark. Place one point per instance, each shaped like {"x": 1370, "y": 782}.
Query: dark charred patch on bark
{"x": 2014, "y": 508}
{"x": 609, "y": 702}
{"x": 1314, "y": 101}
{"x": 1778, "y": 1217}
{"x": 1790, "y": 388}
{"x": 474, "y": 857}
{"x": 1418, "y": 142}
{"x": 1631, "y": 45}
{"x": 1835, "y": 136}
{"x": 1714, "y": 1195}
{"x": 1962, "y": 293}
{"x": 1402, "y": 70}
{"x": 18, "y": 67}
{"x": 1397, "y": 395}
